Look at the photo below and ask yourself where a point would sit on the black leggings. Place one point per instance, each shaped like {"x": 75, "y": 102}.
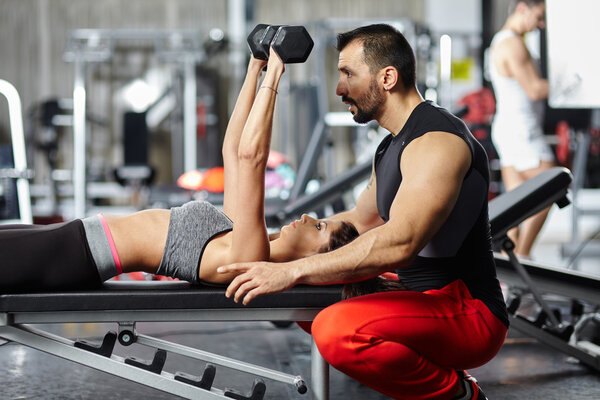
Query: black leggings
{"x": 46, "y": 257}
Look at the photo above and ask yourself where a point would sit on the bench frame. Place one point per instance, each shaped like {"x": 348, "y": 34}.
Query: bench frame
{"x": 19, "y": 326}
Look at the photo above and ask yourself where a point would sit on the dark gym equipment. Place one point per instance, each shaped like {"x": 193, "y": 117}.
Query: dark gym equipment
{"x": 292, "y": 43}
{"x": 126, "y": 337}
{"x": 546, "y": 325}
{"x": 104, "y": 349}
{"x": 9, "y": 204}
{"x": 205, "y": 382}
{"x": 260, "y": 40}
{"x": 155, "y": 365}
{"x": 257, "y": 393}
{"x": 254, "y": 41}
{"x": 136, "y": 170}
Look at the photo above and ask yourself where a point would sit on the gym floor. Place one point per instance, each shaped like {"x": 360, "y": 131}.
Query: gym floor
{"x": 524, "y": 368}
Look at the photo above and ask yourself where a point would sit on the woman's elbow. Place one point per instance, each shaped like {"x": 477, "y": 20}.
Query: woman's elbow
{"x": 253, "y": 156}
{"x": 213, "y": 277}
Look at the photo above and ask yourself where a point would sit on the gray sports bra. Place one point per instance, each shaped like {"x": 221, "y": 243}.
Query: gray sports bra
{"x": 191, "y": 227}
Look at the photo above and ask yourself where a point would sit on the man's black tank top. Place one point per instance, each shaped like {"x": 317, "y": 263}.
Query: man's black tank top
{"x": 462, "y": 247}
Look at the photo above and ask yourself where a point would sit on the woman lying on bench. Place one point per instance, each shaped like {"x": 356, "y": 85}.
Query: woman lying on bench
{"x": 187, "y": 242}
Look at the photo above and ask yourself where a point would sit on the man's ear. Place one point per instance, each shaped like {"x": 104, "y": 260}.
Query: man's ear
{"x": 390, "y": 79}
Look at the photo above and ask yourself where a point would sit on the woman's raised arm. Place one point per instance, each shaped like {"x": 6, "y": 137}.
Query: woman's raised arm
{"x": 250, "y": 241}
{"x": 234, "y": 132}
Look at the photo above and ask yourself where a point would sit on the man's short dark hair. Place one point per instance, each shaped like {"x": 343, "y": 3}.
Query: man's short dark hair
{"x": 529, "y": 3}
{"x": 383, "y": 46}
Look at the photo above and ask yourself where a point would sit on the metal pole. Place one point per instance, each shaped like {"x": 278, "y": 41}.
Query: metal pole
{"x": 445, "y": 71}
{"x": 18, "y": 147}
{"x": 319, "y": 373}
{"x": 79, "y": 140}
{"x": 507, "y": 245}
{"x": 190, "y": 144}
{"x": 236, "y": 27}
{"x": 579, "y": 169}
{"x": 218, "y": 359}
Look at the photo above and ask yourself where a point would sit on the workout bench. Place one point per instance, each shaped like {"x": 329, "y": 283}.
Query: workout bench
{"x": 127, "y": 303}
{"x": 508, "y": 211}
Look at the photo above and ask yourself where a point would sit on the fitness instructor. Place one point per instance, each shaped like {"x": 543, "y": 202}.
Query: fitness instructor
{"x": 517, "y": 127}
{"x": 423, "y": 215}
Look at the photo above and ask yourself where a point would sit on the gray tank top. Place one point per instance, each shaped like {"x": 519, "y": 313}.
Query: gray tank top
{"x": 191, "y": 227}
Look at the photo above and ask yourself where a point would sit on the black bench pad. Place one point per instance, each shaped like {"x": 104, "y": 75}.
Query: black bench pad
{"x": 162, "y": 295}
{"x": 511, "y": 208}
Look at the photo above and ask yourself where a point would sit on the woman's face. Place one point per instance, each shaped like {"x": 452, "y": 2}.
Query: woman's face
{"x": 307, "y": 235}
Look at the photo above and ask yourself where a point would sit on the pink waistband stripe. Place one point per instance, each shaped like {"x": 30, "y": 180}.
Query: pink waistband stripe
{"x": 111, "y": 243}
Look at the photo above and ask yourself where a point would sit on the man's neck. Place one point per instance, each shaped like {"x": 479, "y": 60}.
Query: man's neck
{"x": 514, "y": 24}
{"x": 397, "y": 110}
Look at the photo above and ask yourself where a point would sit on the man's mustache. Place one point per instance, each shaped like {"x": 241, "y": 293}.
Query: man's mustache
{"x": 346, "y": 99}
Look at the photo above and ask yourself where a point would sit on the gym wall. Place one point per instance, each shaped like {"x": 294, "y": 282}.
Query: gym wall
{"x": 34, "y": 35}
{"x": 34, "y": 32}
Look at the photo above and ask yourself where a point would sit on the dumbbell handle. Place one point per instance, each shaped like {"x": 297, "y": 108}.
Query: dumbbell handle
{"x": 269, "y": 37}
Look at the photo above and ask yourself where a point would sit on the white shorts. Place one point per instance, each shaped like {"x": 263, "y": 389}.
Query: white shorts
{"x": 521, "y": 148}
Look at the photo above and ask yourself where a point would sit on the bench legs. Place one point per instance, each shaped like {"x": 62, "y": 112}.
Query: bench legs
{"x": 319, "y": 371}
{"x": 102, "y": 359}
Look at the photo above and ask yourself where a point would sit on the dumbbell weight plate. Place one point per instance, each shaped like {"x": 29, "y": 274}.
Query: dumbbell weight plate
{"x": 254, "y": 39}
{"x": 293, "y": 44}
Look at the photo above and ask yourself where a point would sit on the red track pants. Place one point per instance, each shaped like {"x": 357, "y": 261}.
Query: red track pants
{"x": 408, "y": 345}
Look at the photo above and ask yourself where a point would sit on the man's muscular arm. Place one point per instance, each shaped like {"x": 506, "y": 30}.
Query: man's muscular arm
{"x": 433, "y": 168}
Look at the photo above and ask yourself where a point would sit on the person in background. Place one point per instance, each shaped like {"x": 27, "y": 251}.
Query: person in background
{"x": 517, "y": 126}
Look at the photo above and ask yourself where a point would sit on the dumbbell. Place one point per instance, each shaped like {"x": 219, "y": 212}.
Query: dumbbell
{"x": 292, "y": 43}
{"x": 260, "y": 39}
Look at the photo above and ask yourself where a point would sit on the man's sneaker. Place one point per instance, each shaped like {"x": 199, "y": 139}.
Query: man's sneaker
{"x": 472, "y": 389}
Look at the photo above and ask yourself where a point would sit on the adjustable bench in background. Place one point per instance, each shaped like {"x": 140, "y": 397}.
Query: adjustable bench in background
{"x": 508, "y": 211}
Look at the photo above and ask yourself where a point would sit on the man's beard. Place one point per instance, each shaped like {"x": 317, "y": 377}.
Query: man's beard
{"x": 370, "y": 103}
